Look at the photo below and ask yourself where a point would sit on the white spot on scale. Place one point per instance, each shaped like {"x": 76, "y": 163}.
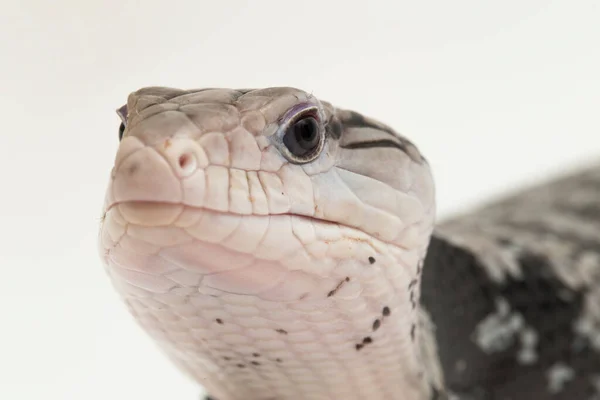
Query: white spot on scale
{"x": 558, "y": 375}
{"x": 527, "y": 354}
{"x": 502, "y": 329}
{"x": 497, "y": 332}
{"x": 588, "y": 328}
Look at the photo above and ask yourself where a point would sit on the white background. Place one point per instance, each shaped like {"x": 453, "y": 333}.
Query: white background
{"x": 496, "y": 95}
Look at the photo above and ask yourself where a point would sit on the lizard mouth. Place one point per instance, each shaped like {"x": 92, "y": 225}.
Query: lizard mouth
{"x": 221, "y": 252}
{"x": 160, "y": 213}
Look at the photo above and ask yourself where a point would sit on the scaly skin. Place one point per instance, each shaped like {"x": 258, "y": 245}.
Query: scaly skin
{"x": 513, "y": 288}
{"x": 262, "y": 277}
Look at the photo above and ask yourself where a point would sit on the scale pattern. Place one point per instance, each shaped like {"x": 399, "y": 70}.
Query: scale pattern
{"x": 268, "y": 279}
{"x": 514, "y": 291}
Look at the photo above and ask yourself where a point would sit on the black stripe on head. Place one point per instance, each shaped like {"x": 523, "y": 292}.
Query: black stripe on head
{"x": 375, "y": 143}
{"x": 356, "y": 120}
{"x": 360, "y": 132}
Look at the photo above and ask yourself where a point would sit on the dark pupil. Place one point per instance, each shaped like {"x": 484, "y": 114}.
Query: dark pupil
{"x": 305, "y": 131}
{"x": 302, "y": 137}
{"x": 121, "y": 130}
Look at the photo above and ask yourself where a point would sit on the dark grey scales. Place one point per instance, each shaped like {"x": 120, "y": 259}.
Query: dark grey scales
{"x": 512, "y": 295}
{"x": 514, "y": 292}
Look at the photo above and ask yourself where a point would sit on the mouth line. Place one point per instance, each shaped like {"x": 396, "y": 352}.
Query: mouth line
{"x": 304, "y": 217}
{"x": 231, "y": 213}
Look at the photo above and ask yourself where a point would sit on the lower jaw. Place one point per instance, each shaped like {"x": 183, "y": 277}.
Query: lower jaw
{"x": 280, "y": 257}
{"x": 240, "y": 347}
{"x": 309, "y": 344}
{"x": 329, "y": 258}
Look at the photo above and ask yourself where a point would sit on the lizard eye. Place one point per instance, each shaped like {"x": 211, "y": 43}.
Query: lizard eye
{"x": 121, "y": 130}
{"x": 303, "y": 135}
{"x": 122, "y": 113}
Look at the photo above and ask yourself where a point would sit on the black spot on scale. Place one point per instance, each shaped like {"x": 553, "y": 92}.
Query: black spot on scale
{"x": 256, "y": 363}
{"x": 366, "y": 340}
{"x": 282, "y": 331}
{"x": 339, "y": 285}
{"x": 219, "y": 321}
{"x": 413, "y": 302}
{"x": 372, "y": 260}
{"x": 376, "y": 324}
{"x": 458, "y": 294}
{"x": 412, "y": 332}
{"x": 386, "y": 311}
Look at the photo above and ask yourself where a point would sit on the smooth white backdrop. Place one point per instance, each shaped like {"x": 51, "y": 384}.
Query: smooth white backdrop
{"x": 496, "y": 94}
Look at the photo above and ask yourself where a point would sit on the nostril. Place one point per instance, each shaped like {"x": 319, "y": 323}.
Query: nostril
{"x": 187, "y": 163}
{"x": 132, "y": 168}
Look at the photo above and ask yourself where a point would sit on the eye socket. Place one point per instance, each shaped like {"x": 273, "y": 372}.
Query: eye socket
{"x": 121, "y": 130}
{"x": 303, "y": 137}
